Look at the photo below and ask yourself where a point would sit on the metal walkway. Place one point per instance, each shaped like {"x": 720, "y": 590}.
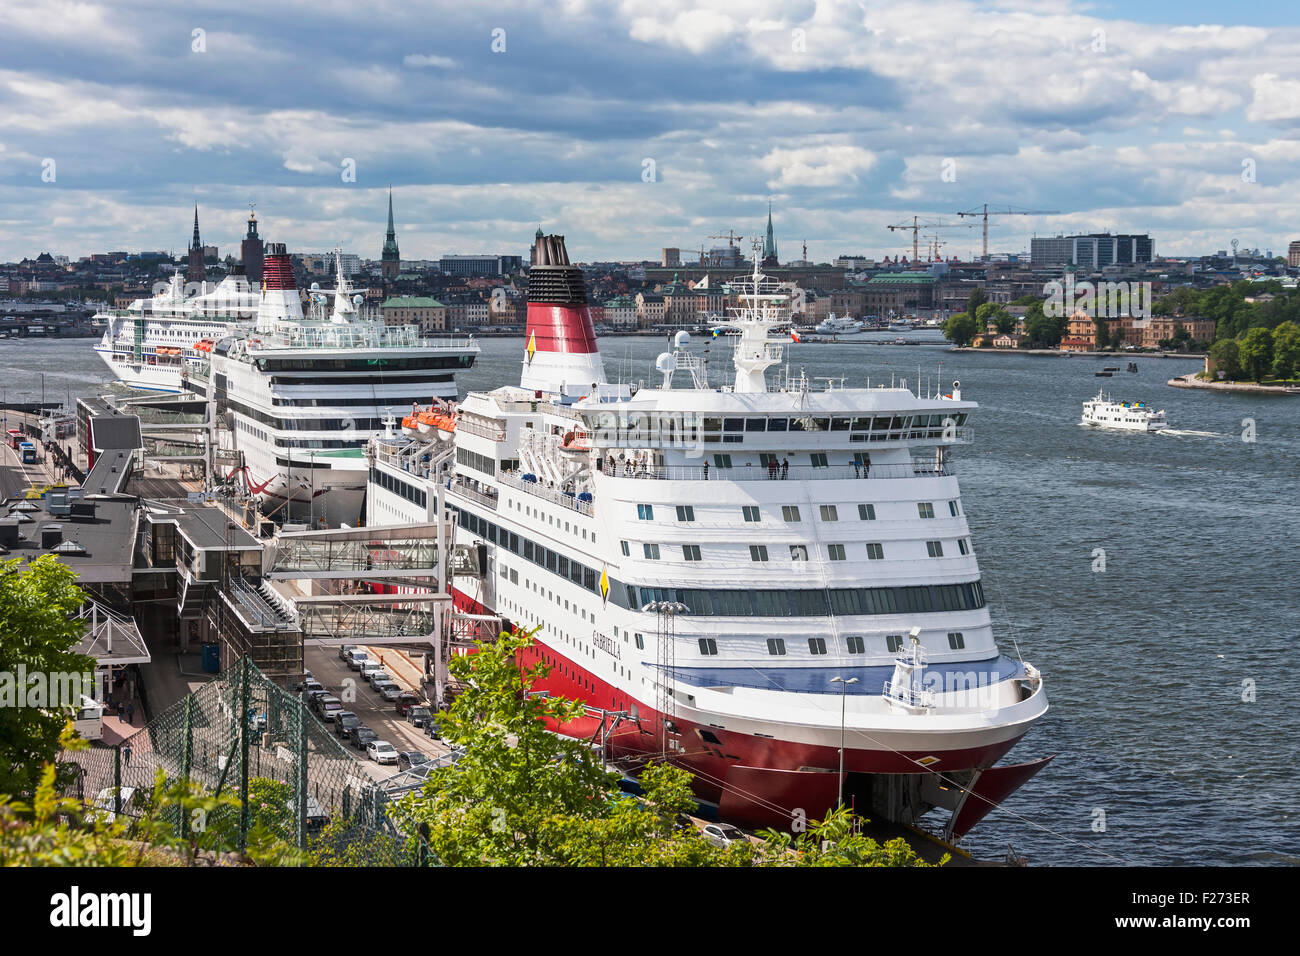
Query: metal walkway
{"x": 333, "y": 619}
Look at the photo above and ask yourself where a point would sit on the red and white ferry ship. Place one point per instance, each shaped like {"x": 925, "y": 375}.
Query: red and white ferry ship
{"x": 746, "y": 577}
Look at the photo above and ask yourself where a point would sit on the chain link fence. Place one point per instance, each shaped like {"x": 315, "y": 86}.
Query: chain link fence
{"x": 243, "y": 735}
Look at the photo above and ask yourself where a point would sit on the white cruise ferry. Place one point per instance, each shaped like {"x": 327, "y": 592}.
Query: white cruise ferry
{"x": 306, "y": 393}
{"x": 1101, "y": 412}
{"x": 738, "y": 577}
{"x": 154, "y": 342}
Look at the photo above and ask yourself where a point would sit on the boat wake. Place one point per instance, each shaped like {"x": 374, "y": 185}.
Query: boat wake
{"x": 1189, "y": 433}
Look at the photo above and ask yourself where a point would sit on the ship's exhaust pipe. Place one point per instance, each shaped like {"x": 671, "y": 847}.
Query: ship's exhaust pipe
{"x": 560, "y": 351}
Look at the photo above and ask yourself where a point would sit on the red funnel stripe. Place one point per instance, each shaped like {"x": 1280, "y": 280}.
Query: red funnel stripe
{"x": 566, "y": 329}
{"x": 277, "y": 273}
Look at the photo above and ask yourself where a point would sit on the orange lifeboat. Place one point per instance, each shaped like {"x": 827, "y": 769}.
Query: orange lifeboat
{"x": 446, "y": 427}
{"x": 426, "y": 421}
{"x": 575, "y": 441}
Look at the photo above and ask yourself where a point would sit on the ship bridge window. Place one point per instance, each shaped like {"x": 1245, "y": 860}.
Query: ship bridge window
{"x": 755, "y": 424}
{"x": 733, "y": 424}
{"x": 778, "y": 424}
{"x": 713, "y": 424}
{"x": 880, "y": 424}
{"x": 839, "y": 424}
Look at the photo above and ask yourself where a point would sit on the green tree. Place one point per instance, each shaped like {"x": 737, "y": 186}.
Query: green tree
{"x": 1227, "y": 358}
{"x": 838, "y": 841}
{"x": 1257, "y": 353}
{"x": 991, "y": 313}
{"x": 1286, "y": 350}
{"x": 960, "y": 329}
{"x": 1044, "y": 331}
{"x": 976, "y": 298}
{"x": 1102, "y": 331}
{"x": 37, "y": 630}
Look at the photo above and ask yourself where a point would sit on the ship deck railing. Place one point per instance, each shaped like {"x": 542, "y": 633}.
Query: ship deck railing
{"x": 568, "y": 500}
{"x": 466, "y": 490}
{"x": 710, "y": 472}
{"x": 345, "y": 337}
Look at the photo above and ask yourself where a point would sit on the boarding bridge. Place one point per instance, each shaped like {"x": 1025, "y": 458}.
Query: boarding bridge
{"x": 372, "y": 619}
{"x": 346, "y": 556}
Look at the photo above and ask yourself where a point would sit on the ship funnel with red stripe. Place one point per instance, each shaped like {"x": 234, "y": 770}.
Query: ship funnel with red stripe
{"x": 280, "y": 301}
{"x": 560, "y": 351}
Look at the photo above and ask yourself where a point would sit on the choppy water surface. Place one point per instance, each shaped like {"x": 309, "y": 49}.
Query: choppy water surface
{"x": 1145, "y": 662}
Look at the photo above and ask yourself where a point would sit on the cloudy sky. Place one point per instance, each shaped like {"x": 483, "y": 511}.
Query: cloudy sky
{"x": 629, "y": 126}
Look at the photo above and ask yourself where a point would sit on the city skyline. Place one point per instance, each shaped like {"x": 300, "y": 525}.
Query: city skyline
{"x": 486, "y": 124}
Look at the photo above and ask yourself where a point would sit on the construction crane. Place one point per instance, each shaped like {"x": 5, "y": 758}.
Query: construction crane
{"x": 933, "y": 243}
{"x": 731, "y": 237}
{"x": 916, "y": 225}
{"x": 984, "y": 212}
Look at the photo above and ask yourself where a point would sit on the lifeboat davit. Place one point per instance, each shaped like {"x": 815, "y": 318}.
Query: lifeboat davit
{"x": 410, "y": 427}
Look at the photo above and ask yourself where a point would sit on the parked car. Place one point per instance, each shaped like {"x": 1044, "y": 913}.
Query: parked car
{"x": 302, "y": 682}
{"x": 418, "y": 715}
{"x": 345, "y": 649}
{"x": 356, "y": 658}
{"x": 371, "y": 669}
{"x": 722, "y": 834}
{"x": 405, "y": 701}
{"x": 311, "y": 684}
{"x": 388, "y": 690}
{"x": 411, "y": 759}
{"x": 361, "y": 737}
{"x": 432, "y": 729}
{"x": 345, "y": 722}
{"x": 314, "y": 696}
{"x": 381, "y": 751}
{"x": 318, "y": 699}
{"x": 316, "y": 815}
{"x": 330, "y": 707}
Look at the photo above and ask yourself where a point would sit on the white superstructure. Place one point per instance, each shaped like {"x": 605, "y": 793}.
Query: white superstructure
{"x": 304, "y": 394}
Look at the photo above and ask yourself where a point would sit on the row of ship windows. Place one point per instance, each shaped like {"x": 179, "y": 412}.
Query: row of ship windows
{"x": 798, "y": 552}
{"x": 252, "y": 429}
{"x": 791, "y": 513}
{"x": 738, "y": 602}
{"x": 398, "y": 487}
{"x": 738, "y": 426}
{"x": 817, "y": 645}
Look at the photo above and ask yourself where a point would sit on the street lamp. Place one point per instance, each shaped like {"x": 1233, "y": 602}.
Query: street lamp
{"x": 844, "y": 686}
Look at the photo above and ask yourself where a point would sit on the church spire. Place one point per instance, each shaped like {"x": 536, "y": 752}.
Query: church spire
{"x": 769, "y": 245}
{"x": 196, "y": 270}
{"x": 391, "y": 264}
{"x": 196, "y": 242}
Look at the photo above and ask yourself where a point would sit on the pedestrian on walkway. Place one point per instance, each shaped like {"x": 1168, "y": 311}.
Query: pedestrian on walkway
{"x": 126, "y": 754}
{"x": 130, "y": 713}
